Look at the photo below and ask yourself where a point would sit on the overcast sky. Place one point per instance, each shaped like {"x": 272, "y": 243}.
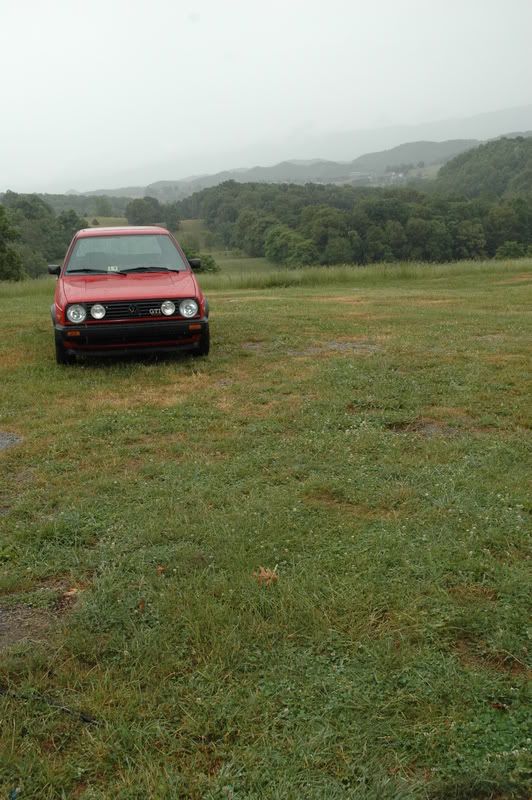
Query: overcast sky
{"x": 103, "y": 92}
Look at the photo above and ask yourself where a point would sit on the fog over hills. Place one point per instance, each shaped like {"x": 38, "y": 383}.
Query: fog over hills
{"x": 358, "y": 157}
{"x": 308, "y": 148}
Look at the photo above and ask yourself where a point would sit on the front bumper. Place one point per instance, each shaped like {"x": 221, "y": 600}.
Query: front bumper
{"x": 117, "y": 338}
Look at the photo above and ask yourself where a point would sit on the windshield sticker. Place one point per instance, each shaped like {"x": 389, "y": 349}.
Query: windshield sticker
{"x": 113, "y": 268}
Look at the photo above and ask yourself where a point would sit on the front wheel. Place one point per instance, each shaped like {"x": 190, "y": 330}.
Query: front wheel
{"x": 61, "y": 355}
{"x": 204, "y": 343}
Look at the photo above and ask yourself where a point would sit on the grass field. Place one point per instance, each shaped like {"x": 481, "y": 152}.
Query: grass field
{"x": 296, "y": 569}
{"x": 110, "y": 222}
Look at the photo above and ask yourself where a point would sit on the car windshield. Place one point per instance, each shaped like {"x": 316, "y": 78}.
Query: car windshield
{"x": 125, "y": 252}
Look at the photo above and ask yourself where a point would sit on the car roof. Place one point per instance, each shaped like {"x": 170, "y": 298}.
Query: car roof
{"x": 128, "y": 230}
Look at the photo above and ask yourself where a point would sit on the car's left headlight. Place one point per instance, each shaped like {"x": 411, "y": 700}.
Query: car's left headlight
{"x": 188, "y": 308}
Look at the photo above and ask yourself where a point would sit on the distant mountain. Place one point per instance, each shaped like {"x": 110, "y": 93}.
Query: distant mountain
{"x": 346, "y": 145}
{"x": 369, "y": 169}
{"x": 431, "y": 144}
{"x": 412, "y": 153}
{"x": 306, "y": 145}
{"x": 495, "y": 169}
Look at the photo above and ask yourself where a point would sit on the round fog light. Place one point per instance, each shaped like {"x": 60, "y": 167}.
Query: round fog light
{"x": 168, "y": 308}
{"x": 188, "y": 308}
{"x": 98, "y": 311}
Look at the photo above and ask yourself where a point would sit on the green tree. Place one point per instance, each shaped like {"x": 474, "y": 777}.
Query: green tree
{"x": 34, "y": 264}
{"x": 250, "y": 231}
{"x": 511, "y": 250}
{"x": 103, "y": 206}
{"x": 208, "y": 263}
{"x": 377, "y": 248}
{"x": 357, "y": 248}
{"x": 337, "y": 251}
{"x": 38, "y": 226}
{"x": 428, "y": 240}
{"x": 70, "y": 223}
{"x": 439, "y": 244}
{"x": 502, "y": 225}
{"x": 170, "y": 216}
{"x": 303, "y": 253}
{"x": 10, "y": 260}
{"x": 144, "y": 211}
{"x": 285, "y": 246}
{"x": 277, "y": 244}
{"x": 322, "y": 223}
{"x": 395, "y": 238}
{"x": 470, "y": 240}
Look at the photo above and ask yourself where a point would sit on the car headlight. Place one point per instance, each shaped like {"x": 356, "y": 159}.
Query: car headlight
{"x": 98, "y": 311}
{"x": 168, "y": 308}
{"x": 76, "y": 313}
{"x": 188, "y": 308}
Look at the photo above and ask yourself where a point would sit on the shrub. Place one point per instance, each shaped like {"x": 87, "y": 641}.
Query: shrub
{"x": 510, "y": 250}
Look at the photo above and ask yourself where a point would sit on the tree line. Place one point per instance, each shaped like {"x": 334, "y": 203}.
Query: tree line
{"x": 32, "y": 235}
{"x": 301, "y": 225}
{"x": 480, "y": 206}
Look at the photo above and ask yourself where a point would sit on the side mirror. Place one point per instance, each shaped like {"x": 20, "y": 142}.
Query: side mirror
{"x": 54, "y": 269}
{"x": 195, "y": 263}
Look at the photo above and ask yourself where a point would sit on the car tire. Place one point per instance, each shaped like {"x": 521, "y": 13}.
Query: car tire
{"x": 61, "y": 355}
{"x": 204, "y": 343}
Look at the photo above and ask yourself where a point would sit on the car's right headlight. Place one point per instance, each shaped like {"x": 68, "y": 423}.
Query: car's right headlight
{"x": 76, "y": 313}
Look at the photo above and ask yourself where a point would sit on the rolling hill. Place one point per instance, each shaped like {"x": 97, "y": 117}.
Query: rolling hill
{"x": 369, "y": 169}
{"x": 495, "y": 169}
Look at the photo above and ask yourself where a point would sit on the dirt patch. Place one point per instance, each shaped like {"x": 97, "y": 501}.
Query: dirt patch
{"x": 350, "y": 301}
{"x": 504, "y": 358}
{"x": 8, "y": 440}
{"x": 427, "y": 302}
{"x": 67, "y": 599}
{"x": 490, "y": 337}
{"x": 23, "y": 624}
{"x": 448, "y": 411}
{"x": 423, "y": 427}
{"x": 471, "y": 657}
{"x": 225, "y": 404}
{"x": 252, "y": 346}
{"x": 327, "y": 498}
{"x": 473, "y": 592}
{"x": 164, "y": 395}
{"x": 249, "y": 297}
{"x": 356, "y": 347}
{"x": 336, "y": 346}
{"x": 524, "y": 277}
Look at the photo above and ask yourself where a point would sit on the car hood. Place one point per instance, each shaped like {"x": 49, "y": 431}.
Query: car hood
{"x": 131, "y": 286}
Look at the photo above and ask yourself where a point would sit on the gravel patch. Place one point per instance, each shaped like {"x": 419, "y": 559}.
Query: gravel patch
{"x": 8, "y": 439}
{"x": 23, "y": 624}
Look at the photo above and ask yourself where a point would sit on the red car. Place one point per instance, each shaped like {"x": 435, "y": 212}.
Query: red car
{"x": 127, "y": 290}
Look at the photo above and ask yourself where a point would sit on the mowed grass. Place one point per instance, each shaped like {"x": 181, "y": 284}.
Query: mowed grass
{"x": 107, "y": 222}
{"x": 368, "y": 442}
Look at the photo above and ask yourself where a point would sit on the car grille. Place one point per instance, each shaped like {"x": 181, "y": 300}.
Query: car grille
{"x": 132, "y": 309}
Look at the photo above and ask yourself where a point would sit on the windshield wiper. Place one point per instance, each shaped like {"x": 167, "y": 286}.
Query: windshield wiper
{"x": 87, "y": 269}
{"x": 92, "y": 271}
{"x": 149, "y": 269}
